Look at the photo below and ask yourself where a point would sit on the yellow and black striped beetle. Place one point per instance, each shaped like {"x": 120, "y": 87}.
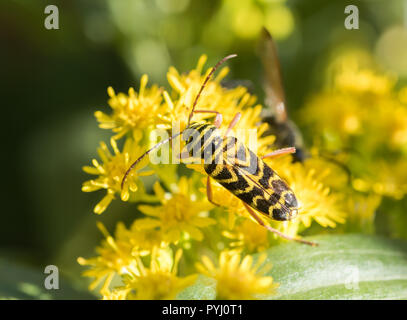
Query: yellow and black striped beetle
{"x": 229, "y": 162}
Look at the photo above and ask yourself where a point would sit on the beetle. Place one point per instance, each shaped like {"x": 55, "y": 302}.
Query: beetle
{"x": 233, "y": 165}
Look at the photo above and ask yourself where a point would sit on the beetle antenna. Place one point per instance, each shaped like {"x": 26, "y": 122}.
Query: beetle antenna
{"x": 205, "y": 82}
{"x": 189, "y": 118}
{"x": 144, "y": 154}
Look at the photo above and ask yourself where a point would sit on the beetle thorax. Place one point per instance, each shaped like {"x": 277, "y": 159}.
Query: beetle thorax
{"x": 202, "y": 139}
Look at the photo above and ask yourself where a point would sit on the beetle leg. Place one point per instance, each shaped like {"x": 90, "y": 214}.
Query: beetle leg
{"x": 282, "y": 235}
{"x": 279, "y": 152}
{"x": 218, "y": 119}
{"x": 233, "y": 123}
{"x": 209, "y": 193}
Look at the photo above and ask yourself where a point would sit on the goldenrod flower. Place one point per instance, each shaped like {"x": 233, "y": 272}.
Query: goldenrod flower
{"x": 244, "y": 20}
{"x": 363, "y": 113}
{"x": 115, "y": 257}
{"x": 316, "y": 201}
{"x": 353, "y": 97}
{"x": 238, "y": 279}
{"x": 110, "y": 173}
{"x": 185, "y": 87}
{"x": 229, "y": 202}
{"x": 179, "y": 212}
{"x": 134, "y": 112}
{"x": 248, "y": 235}
{"x": 386, "y": 178}
{"x": 143, "y": 239}
{"x": 354, "y": 79}
{"x": 115, "y": 294}
{"x": 397, "y": 128}
{"x": 159, "y": 281}
{"x": 341, "y": 114}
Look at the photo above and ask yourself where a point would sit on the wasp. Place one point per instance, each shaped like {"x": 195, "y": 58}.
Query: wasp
{"x": 234, "y": 166}
{"x": 275, "y": 113}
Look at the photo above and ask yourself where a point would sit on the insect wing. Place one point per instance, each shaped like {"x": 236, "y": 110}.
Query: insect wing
{"x": 251, "y": 180}
{"x": 273, "y": 86}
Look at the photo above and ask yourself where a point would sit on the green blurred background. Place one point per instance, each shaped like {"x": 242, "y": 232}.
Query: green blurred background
{"x": 54, "y": 80}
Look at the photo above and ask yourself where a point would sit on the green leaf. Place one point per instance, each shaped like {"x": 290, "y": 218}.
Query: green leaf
{"x": 22, "y": 282}
{"x": 341, "y": 267}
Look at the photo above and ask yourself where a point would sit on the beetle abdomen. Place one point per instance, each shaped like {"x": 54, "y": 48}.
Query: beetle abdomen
{"x": 250, "y": 179}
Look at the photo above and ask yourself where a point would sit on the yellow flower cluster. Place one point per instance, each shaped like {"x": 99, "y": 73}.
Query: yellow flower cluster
{"x": 362, "y": 119}
{"x": 111, "y": 172}
{"x": 180, "y": 212}
{"x": 158, "y": 281}
{"x": 238, "y": 278}
{"x": 138, "y": 262}
{"x": 131, "y": 111}
{"x": 245, "y": 18}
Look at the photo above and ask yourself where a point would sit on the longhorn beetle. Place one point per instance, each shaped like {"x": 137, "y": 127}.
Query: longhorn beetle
{"x": 229, "y": 162}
